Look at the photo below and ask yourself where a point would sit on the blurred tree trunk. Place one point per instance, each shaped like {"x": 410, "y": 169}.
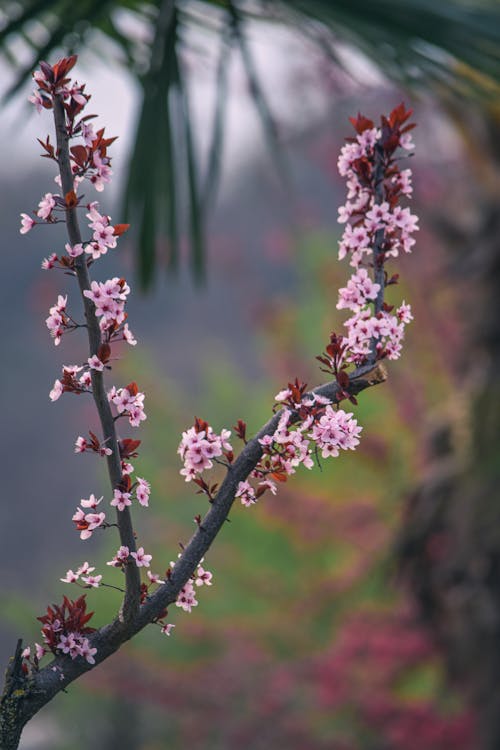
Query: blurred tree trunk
{"x": 449, "y": 545}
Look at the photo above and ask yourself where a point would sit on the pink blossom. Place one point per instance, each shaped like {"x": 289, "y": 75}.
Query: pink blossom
{"x": 92, "y": 502}
{"x": 404, "y": 313}
{"x": 246, "y": 493}
{"x": 104, "y": 234}
{"x": 95, "y": 363}
{"x": 75, "y": 92}
{"x": 103, "y": 172}
{"x": 283, "y": 395}
{"x": 86, "y": 380}
{"x": 81, "y": 444}
{"x": 120, "y": 558}
{"x": 37, "y": 100}
{"x": 128, "y": 335}
{"x": 86, "y": 523}
{"x": 378, "y": 216}
{"x": 56, "y": 391}
{"x": 203, "y": 577}
{"x": 406, "y": 142}
{"x": 67, "y": 644}
{"x": 141, "y": 559}
{"x": 404, "y": 219}
{"x": 45, "y": 206}
{"x": 167, "y": 629}
{"x": 143, "y": 491}
{"x": 368, "y": 138}
{"x": 74, "y": 250}
{"x": 70, "y": 577}
{"x": 127, "y": 467}
{"x": 49, "y": 262}
{"x": 88, "y": 133}
{"x": 95, "y": 250}
{"x": 87, "y": 652}
{"x": 84, "y": 569}
{"x": 27, "y": 223}
{"x": 121, "y": 499}
{"x": 186, "y": 599}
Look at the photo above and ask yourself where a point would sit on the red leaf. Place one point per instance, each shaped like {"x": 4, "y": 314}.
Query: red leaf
{"x": 104, "y": 352}
{"x": 128, "y": 447}
{"x": 343, "y": 379}
{"x": 79, "y": 154}
{"x": 361, "y": 123}
{"x": 120, "y": 229}
{"x": 132, "y": 388}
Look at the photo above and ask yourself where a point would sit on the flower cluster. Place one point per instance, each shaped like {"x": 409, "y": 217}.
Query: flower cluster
{"x": 84, "y": 572}
{"x": 86, "y": 523}
{"x": 186, "y": 598}
{"x": 200, "y": 445}
{"x": 65, "y": 629}
{"x": 129, "y": 402}
{"x": 377, "y": 227}
{"x": 69, "y": 383}
{"x": 109, "y": 298}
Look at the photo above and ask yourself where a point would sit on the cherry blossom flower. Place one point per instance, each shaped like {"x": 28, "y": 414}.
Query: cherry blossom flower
{"x": 87, "y": 651}
{"x": 36, "y": 99}
{"x": 88, "y": 133}
{"x": 167, "y": 629}
{"x": 91, "y": 502}
{"x": 74, "y": 250}
{"x": 95, "y": 363}
{"x": 143, "y": 491}
{"x": 81, "y": 444}
{"x": 141, "y": 558}
{"x": 49, "y": 262}
{"x": 246, "y": 493}
{"x": 57, "y": 391}
{"x": 203, "y": 577}
{"x": 121, "y": 499}
{"x": 27, "y": 223}
{"x": 128, "y": 335}
{"x": 70, "y": 577}
{"x": 120, "y": 558}
{"x": 45, "y": 206}
{"x": 186, "y": 599}
{"x": 84, "y": 569}
{"x": 86, "y": 523}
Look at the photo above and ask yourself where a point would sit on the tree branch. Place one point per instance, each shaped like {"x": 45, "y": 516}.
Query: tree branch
{"x": 130, "y": 605}
{"x": 52, "y": 679}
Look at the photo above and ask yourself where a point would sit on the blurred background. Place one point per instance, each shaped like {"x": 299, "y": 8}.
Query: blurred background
{"x": 360, "y": 608}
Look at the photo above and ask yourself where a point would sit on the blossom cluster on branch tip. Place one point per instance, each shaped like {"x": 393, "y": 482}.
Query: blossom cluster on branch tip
{"x": 377, "y": 228}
